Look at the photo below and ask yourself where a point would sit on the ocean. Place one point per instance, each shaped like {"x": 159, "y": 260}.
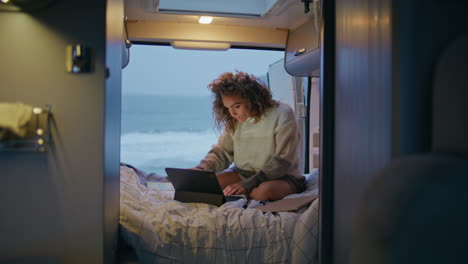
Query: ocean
{"x": 166, "y": 131}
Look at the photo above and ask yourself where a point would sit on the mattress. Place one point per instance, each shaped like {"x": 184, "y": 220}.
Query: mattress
{"x": 162, "y": 230}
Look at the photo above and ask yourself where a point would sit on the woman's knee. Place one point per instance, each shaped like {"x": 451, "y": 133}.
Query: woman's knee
{"x": 271, "y": 190}
{"x": 259, "y": 193}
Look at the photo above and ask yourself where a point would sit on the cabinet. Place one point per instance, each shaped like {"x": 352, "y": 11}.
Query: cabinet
{"x": 302, "y": 56}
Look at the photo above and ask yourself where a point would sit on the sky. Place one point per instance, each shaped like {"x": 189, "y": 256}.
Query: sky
{"x": 163, "y": 70}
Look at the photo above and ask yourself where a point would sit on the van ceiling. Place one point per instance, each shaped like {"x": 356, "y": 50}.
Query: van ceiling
{"x": 252, "y": 8}
{"x": 276, "y": 14}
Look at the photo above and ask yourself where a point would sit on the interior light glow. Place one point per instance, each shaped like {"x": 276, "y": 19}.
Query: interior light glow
{"x": 37, "y": 110}
{"x": 205, "y": 20}
{"x": 200, "y": 45}
{"x": 5, "y": 1}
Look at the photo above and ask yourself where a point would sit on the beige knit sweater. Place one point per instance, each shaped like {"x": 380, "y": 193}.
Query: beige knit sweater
{"x": 269, "y": 148}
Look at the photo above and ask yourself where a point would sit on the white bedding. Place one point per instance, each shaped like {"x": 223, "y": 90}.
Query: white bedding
{"x": 166, "y": 231}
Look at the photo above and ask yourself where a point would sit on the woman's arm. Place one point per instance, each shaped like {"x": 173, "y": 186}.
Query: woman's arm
{"x": 220, "y": 156}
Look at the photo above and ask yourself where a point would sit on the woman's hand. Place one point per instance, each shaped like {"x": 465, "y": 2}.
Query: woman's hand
{"x": 235, "y": 188}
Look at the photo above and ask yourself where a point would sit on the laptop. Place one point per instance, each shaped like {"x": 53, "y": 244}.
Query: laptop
{"x": 197, "y": 186}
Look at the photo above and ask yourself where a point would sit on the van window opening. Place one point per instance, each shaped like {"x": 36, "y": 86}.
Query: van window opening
{"x": 166, "y": 105}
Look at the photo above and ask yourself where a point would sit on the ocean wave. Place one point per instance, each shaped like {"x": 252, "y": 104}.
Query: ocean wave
{"x": 152, "y": 152}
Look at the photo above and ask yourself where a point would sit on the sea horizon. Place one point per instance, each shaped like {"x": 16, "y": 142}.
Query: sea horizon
{"x": 160, "y": 131}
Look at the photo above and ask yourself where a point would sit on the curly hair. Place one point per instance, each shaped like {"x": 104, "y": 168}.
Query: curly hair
{"x": 246, "y": 86}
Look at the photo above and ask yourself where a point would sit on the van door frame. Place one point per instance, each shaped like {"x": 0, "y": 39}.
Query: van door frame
{"x": 327, "y": 132}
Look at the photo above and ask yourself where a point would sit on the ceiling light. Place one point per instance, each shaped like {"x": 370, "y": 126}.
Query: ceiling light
{"x": 5, "y": 1}
{"x": 205, "y": 20}
{"x": 200, "y": 45}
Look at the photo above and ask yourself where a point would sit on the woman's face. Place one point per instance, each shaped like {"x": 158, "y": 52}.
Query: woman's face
{"x": 237, "y": 106}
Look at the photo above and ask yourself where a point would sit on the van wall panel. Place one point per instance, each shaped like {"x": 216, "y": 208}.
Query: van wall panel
{"x": 52, "y": 203}
{"x": 362, "y": 109}
{"x": 112, "y": 125}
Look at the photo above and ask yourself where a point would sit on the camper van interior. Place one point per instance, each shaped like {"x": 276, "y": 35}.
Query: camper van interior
{"x": 174, "y": 32}
{"x": 97, "y": 97}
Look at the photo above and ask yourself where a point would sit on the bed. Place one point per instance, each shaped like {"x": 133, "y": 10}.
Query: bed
{"x": 162, "y": 230}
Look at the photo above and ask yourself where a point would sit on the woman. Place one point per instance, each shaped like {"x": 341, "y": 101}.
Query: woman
{"x": 260, "y": 137}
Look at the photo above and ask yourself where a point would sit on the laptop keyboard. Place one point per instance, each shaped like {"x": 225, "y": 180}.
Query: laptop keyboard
{"x": 232, "y": 198}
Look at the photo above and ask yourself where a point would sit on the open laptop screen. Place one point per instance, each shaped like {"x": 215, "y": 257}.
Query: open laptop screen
{"x": 194, "y": 180}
